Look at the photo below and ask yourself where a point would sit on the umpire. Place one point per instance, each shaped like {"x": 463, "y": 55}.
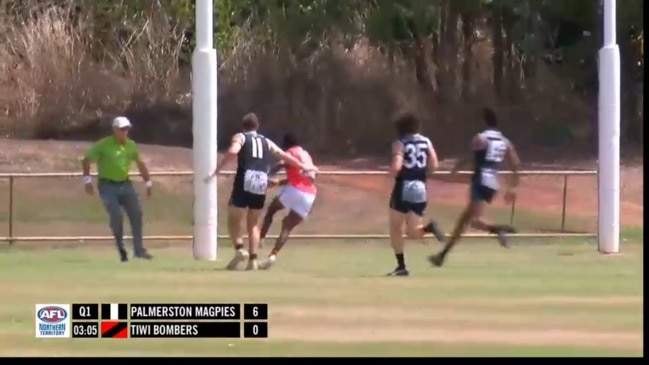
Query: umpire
{"x": 114, "y": 156}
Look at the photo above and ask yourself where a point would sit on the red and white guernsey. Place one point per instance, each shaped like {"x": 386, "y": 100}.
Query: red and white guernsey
{"x": 295, "y": 176}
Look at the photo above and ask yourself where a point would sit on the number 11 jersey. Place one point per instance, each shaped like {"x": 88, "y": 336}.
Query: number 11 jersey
{"x": 251, "y": 179}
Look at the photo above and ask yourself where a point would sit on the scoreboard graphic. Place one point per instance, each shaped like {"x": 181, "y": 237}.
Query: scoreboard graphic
{"x": 151, "y": 320}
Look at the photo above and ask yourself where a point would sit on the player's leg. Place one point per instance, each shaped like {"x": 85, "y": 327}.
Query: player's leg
{"x": 397, "y": 217}
{"x": 476, "y": 199}
{"x": 478, "y": 221}
{"x": 274, "y": 207}
{"x": 299, "y": 205}
{"x": 236, "y": 211}
{"x": 415, "y": 229}
{"x": 460, "y": 226}
{"x": 289, "y": 222}
{"x": 397, "y": 221}
{"x": 256, "y": 205}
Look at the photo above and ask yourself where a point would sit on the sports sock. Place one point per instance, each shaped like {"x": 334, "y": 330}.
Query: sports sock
{"x": 401, "y": 261}
{"x": 253, "y": 256}
{"x": 238, "y": 246}
{"x": 274, "y": 251}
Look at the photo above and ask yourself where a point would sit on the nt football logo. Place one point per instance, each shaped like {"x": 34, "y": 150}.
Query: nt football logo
{"x": 52, "y": 320}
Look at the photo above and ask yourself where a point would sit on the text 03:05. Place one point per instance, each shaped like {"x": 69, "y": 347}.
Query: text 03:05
{"x": 87, "y": 330}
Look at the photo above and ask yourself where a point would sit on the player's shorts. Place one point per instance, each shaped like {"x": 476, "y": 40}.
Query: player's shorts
{"x": 296, "y": 200}
{"x": 243, "y": 199}
{"x": 401, "y": 203}
{"x": 482, "y": 193}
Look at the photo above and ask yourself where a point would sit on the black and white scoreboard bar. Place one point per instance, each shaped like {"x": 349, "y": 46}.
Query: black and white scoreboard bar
{"x": 182, "y": 320}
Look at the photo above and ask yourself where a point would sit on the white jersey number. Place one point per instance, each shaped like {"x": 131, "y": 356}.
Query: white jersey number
{"x": 415, "y": 155}
{"x": 257, "y": 148}
{"x": 255, "y": 182}
{"x": 496, "y": 151}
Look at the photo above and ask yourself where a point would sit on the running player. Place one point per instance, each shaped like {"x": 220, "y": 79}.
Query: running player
{"x": 297, "y": 194}
{"x": 252, "y": 151}
{"x": 489, "y": 149}
{"x": 413, "y": 159}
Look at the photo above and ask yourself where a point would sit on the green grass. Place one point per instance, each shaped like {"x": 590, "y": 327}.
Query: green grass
{"x": 541, "y": 298}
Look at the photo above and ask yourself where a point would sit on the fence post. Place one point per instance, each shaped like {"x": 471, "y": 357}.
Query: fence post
{"x": 563, "y": 208}
{"x": 11, "y": 210}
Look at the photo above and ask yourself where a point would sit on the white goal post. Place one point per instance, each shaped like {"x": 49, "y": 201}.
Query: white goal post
{"x": 204, "y": 109}
{"x": 608, "y": 235}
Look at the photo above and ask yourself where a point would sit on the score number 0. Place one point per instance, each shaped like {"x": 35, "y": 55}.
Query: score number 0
{"x": 255, "y": 330}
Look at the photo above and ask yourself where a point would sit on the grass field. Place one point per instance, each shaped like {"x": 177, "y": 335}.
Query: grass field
{"x": 330, "y": 299}
{"x": 547, "y": 297}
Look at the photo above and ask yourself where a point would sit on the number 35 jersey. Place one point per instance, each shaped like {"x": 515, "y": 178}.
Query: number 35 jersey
{"x": 415, "y": 158}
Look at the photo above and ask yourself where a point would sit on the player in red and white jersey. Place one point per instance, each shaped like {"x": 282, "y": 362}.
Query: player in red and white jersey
{"x": 297, "y": 194}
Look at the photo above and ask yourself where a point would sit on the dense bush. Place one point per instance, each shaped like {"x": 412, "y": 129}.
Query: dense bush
{"x": 335, "y": 71}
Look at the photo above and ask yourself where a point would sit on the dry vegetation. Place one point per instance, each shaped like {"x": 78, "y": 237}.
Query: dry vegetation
{"x": 62, "y": 80}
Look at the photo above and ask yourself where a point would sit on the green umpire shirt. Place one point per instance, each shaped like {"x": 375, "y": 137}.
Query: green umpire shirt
{"x": 113, "y": 159}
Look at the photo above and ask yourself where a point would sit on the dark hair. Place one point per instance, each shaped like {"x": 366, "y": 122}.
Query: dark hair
{"x": 490, "y": 118}
{"x": 290, "y": 140}
{"x": 250, "y": 122}
{"x": 406, "y": 123}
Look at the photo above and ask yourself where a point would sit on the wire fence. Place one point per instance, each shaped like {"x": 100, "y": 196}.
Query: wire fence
{"x": 12, "y": 202}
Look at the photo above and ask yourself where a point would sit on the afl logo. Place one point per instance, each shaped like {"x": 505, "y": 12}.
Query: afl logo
{"x": 52, "y": 314}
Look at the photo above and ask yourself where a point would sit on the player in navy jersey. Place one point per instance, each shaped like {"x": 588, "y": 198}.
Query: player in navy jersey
{"x": 489, "y": 149}
{"x": 248, "y": 197}
{"x": 413, "y": 159}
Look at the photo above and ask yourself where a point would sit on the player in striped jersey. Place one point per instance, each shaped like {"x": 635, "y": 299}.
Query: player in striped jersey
{"x": 413, "y": 159}
{"x": 489, "y": 149}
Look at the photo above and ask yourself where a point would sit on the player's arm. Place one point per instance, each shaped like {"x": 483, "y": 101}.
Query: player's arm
{"x": 273, "y": 171}
{"x": 309, "y": 174}
{"x": 514, "y": 162}
{"x": 277, "y": 182}
{"x": 287, "y": 158}
{"x": 433, "y": 161}
{"x": 397, "y": 158}
{"x": 279, "y": 166}
{"x": 235, "y": 146}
